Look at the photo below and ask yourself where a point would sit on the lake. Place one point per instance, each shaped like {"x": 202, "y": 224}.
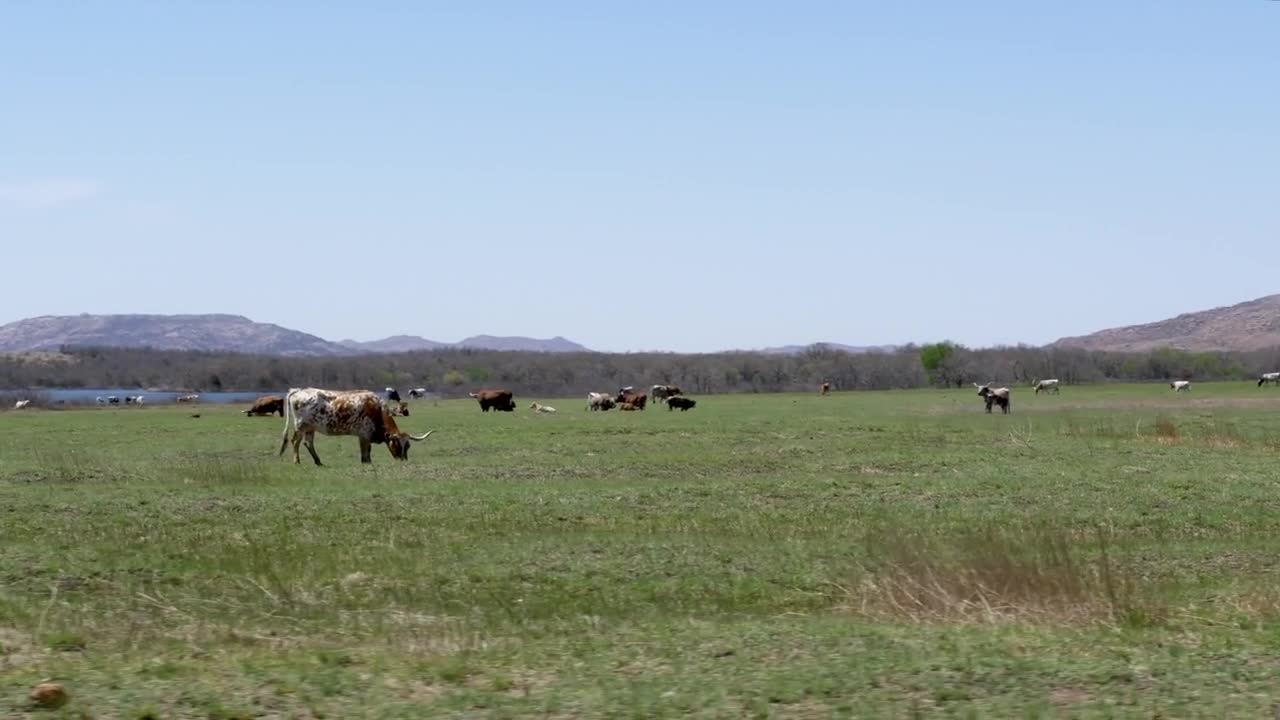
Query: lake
{"x": 79, "y": 396}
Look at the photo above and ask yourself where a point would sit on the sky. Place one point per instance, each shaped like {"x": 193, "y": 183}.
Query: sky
{"x": 643, "y": 176}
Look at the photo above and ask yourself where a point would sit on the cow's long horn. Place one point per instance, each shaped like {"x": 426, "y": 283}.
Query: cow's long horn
{"x": 422, "y": 437}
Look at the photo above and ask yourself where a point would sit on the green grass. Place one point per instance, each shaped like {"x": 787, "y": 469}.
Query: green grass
{"x": 1110, "y": 552}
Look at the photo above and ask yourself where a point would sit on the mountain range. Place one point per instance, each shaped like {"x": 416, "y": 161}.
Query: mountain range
{"x": 229, "y": 333}
{"x": 1248, "y": 325}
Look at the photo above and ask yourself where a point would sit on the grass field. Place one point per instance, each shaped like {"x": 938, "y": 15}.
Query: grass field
{"x": 1110, "y": 552}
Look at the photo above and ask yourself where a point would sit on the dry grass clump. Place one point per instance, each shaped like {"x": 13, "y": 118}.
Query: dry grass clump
{"x": 997, "y": 577}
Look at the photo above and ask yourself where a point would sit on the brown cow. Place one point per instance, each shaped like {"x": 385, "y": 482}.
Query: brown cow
{"x": 333, "y": 412}
{"x": 629, "y": 406}
{"x": 266, "y": 405}
{"x": 496, "y": 399}
{"x": 824, "y": 388}
{"x": 630, "y": 397}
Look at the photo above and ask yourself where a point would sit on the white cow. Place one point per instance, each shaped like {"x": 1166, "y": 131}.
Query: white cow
{"x": 542, "y": 409}
{"x": 1271, "y": 377}
{"x": 21, "y": 404}
{"x": 599, "y": 401}
{"x": 1181, "y": 386}
{"x": 1050, "y": 385}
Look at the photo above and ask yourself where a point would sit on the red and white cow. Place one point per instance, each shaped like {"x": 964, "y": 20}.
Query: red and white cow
{"x": 338, "y": 412}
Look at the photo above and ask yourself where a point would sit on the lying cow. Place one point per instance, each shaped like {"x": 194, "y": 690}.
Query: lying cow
{"x": 683, "y": 403}
{"x": 629, "y": 397}
{"x": 600, "y": 401}
{"x": 660, "y": 393}
{"x": 418, "y": 392}
{"x": 542, "y": 409}
{"x": 994, "y": 396}
{"x": 266, "y": 405}
{"x": 1271, "y": 377}
{"x": 333, "y": 412}
{"x": 181, "y": 398}
{"x": 629, "y": 406}
{"x": 497, "y": 399}
{"x": 1046, "y": 385}
{"x": 1181, "y": 386}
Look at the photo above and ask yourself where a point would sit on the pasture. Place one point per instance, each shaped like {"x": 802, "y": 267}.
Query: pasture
{"x": 1109, "y": 552}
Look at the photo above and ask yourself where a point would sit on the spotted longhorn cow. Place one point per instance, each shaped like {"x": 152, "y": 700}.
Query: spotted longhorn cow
{"x": 336, "y": 412}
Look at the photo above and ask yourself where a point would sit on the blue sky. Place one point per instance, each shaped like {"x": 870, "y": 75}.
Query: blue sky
{"x": 659, "y": 175}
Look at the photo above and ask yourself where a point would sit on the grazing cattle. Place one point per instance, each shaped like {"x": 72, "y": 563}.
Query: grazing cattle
{"x": 542, "y": 409}
{"x": 824, "y": 388}
{"x": 333, "y": 412}
{"x": 265, "y": 406}
{"x": 496, "y": 399}
{"x": 1045, "y": 385}
{"x": 629, "y": 406}
{"x": 599, "y": 401}
{"x": 627, "y": 397}
{"x": 683, "y": 403}
{"x": 132, "y": 399}
{"x": 994, "y": 396}
{"x": 1181, "y": 386}
{"x": 21, "y": 404}
{"x": 113, "y": 400}
{"x": 392, "y": 395}
{"x": 418, "y": 392}
{"x": 185, "y": 398}
{"x": 660, "y": 393}
{"x": 1271, "y": 377}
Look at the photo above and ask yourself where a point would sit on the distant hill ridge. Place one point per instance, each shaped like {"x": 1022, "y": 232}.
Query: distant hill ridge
{"x": 229, "y": 333}
{"x": 1251, "y": 325}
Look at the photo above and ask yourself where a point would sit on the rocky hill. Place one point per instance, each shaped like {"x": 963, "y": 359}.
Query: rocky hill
{"x": 556, "y": 344}
{"x": 232, "y": 333}
{"x": 855, "y": 349}
{"x": 1251, "y": 325}
{"x": 393, "y": 344}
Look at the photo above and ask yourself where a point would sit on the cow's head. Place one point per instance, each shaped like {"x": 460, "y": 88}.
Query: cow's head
{"x": 983, "y": 390}
{"x": 400, "y": 442}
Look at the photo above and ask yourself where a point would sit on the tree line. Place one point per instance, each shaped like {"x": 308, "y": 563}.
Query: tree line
{"x": 454, "y": 372}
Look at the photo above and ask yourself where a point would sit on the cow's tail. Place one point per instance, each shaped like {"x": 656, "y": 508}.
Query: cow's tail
{"x": 288, "y": 414}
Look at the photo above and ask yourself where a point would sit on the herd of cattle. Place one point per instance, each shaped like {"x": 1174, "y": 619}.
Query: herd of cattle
{"x": 371, "y": 418}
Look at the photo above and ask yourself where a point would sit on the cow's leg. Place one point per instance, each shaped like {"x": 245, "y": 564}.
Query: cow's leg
{"x": 297, "y": 445}
{"x": 365, "y": 448}
{"x": 310, "y": 439}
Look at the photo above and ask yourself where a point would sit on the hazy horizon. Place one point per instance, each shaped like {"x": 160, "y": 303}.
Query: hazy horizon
{"x": 664, "y": 177}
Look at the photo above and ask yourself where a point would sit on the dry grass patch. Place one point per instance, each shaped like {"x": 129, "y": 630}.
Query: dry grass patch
{"x": 992, "y": 578}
